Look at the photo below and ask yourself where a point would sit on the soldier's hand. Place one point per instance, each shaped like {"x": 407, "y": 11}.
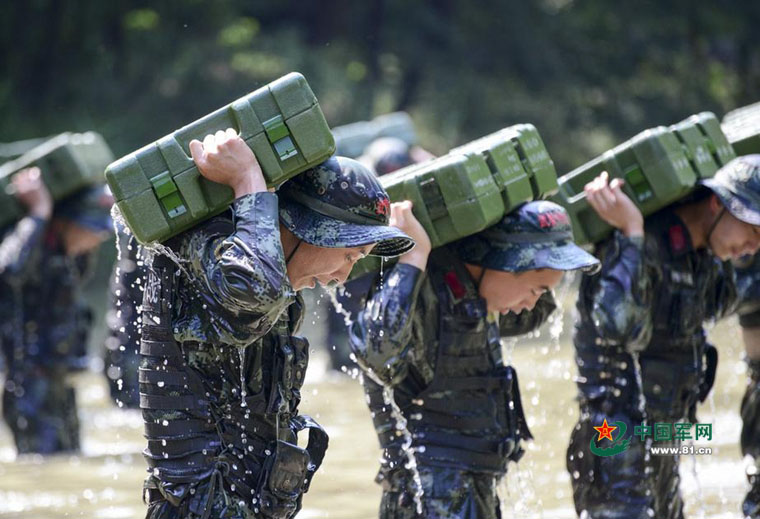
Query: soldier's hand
{"x": 403, "y": 218}
{"x": 225, "y": 158}
{"x": 614, "y": 206}
{"x": 29, "y": 188}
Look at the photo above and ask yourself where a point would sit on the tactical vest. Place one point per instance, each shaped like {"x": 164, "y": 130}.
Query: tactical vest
{"x": 678, "y": 365}
{"x": 199, "y": 434}
{"x": 470, "y": 416}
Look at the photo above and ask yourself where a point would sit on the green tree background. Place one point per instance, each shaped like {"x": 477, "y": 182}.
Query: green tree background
{"x": 587, "y": 73}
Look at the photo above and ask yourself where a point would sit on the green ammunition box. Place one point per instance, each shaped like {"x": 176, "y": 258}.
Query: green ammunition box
{"x": 352, "y": 139}
{"x": 69, "y": 162}
{"x": 158, "y": 188}
{"x": 13, "y": 150}
{"x": 704, "y": 143}
{"x": 659, "y": 166}
{"x": 742, "y": 128}
{"x": 535, "y": 159}
{"x": 454, "y": 196}
{"x": 500, "y": 152}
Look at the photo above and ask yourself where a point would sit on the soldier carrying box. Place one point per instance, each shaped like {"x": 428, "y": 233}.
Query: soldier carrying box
{"x": 222, "y": 366}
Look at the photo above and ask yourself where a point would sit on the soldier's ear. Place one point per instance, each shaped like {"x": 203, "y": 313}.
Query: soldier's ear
{"x": 714, "y": 204}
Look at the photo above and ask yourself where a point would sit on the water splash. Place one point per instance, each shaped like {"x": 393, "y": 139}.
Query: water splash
{"x": 402, "y": 428}
{"x": 642, "y": 406}
{"x": 389, "y": 400}
{"x": 243, "y": 392}
{"x": 701, "y": 508}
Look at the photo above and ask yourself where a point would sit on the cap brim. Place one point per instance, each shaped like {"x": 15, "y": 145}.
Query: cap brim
{"x": 322, "y": 231}
{"x": 563, "y": 256}
{"x": 737, "y": 205}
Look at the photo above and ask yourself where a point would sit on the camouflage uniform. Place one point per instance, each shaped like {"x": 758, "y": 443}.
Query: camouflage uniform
{"x": 652, "y": 296}
{"x": 43, "y": 334}
{"x": 429, "y": 338}
{"x": 122, "y": 344}
{"x": 384, "y": 155}
{"x": 220, "y": 387}
{"x": 748, "y": 285}
{"x": 221, "y": 367}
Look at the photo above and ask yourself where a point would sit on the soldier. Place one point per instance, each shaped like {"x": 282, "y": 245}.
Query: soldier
{"x": 383, "y": 156}
{"x": 122, "y": 344}
{"x": 43, "y": 259}
{"x": 748, "y": 287}
{"x": 661, "y": 278}
{"x": 221, "y": 367}
{"x": 431, "y": 333}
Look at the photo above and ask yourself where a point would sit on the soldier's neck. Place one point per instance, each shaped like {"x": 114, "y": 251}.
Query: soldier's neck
{"x": 289, "y": 240}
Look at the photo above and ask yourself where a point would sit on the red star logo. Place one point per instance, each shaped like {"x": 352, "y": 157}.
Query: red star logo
{"x": 605, "y": 431}
{"x": 383, "y": 206}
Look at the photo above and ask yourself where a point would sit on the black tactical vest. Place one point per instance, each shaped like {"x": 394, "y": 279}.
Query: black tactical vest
{"x": 470, "y": 416}
{"x": 201, "y": 437}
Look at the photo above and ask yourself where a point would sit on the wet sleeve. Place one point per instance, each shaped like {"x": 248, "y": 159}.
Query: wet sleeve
{"x": 526, "y": 321}
{"x": 245, "y": 271}
{"x": 748, "y": 290}
{"x": 722, "y": 297}
{"x": 19, "y": 246}
{"x": 621, "y": 306}
{"x": 381, "y": 334}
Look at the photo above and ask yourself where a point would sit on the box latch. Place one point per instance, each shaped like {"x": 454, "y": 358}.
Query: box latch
{"x": 279, "y": 135}
{"x": 168, "y": 194}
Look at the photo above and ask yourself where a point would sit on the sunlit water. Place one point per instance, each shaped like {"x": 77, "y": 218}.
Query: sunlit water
{"x": 105, "y": 481}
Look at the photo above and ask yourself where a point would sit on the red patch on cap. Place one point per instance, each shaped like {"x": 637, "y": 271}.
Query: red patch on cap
{"x": 552, "y": 218}
{"x": 383, "y": 206}
{"x": 677, "y": 238}
{"x": 452, "y": 281}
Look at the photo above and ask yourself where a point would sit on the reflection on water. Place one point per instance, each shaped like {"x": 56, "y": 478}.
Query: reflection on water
{"x": 105, "y": 482}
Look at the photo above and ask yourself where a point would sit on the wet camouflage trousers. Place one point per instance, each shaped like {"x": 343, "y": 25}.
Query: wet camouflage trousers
{"x": 448, "y": 494}
{"x": 750, "y": 438}
{"x": 624, "y": 486}
{"x": 39, "y": 407}
{"x": 224, "y": 506}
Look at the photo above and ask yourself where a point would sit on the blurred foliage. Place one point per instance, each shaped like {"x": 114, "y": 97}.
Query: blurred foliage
{"x": 587, "y": 73}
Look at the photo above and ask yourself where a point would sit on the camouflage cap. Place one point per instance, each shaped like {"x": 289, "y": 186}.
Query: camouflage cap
{"x": 340, "y": 203}
{"x": 537, "y": 235}
{"x": 89, "y": 208}
{"x": 737, "y": 184}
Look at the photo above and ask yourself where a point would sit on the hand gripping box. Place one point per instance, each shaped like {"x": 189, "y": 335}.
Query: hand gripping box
{"x": 659, "y": 166}
{"x": 158, "y": 188}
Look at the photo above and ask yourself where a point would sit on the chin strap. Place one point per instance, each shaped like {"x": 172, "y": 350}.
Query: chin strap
{"x": 293, "y": 252}
{"x": 714, "y": 225}
{"x": 480, "y": 278}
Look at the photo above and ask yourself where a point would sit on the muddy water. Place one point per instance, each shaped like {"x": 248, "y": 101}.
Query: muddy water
{"x": 105, "y": 481}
